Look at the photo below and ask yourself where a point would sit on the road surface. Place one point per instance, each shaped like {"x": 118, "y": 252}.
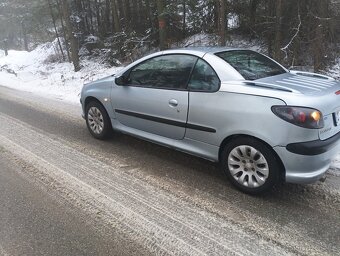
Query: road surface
{"x": 64, "y": 193}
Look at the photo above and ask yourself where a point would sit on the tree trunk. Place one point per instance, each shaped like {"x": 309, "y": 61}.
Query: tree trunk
{"x": 150, "y": 14}
{"x": 252, "y": 17}
{"x": 107, "y": 22}
{"x": 184, "y": 18}
{"x": 24, "y": 34}
{"x": 162, "y": 24}
{"x": 56, "y": 30}
{"x": 278, "y": 32}
{"x": 98, "y": 18}
{"x": 116, "y": 21}
{"x": 69, "y": 32}
{"x": 320, "y": 42}
{"x": 270, "y": 13}
{"x": 64, "y": 31}
{"x": 222, "y": 22}
{"x": 6, "y": 47}
{"x": 80, "y": 12}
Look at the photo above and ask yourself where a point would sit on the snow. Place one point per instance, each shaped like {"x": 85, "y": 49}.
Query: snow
{"x": 233, "y": 21}
{"x": 334, "y": 71}
{"x": 33, "y": 72}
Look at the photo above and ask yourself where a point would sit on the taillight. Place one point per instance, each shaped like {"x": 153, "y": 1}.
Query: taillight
{"x": 304, "y": 117}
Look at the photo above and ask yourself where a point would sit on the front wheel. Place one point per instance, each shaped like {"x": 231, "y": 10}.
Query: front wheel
{"x": 97, "y": 120}
{"x": 250, "y": 165}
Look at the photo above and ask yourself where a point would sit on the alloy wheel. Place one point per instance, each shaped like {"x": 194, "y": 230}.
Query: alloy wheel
{"x": 95, "y": 120}
{"x": 248, "y": 166}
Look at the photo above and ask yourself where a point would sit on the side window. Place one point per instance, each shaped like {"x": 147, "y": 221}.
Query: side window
{"x": 168, "y": 72}
{"x": 204, "y": 78}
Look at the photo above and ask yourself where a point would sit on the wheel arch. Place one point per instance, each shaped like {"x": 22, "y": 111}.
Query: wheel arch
{"x": 236, "y": 136}
{"x": 106, "y": 104}
{"x": 89, "y": 99}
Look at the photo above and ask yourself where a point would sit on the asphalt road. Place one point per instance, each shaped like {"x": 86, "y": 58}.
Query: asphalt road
{"x": 64, "y": 193}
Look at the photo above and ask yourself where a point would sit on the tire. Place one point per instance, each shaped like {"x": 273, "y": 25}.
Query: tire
{"x": 97, "y": 120}
{"x": 250, "y": 165}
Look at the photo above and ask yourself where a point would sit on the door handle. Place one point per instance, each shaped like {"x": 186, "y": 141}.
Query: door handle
{"x": 173, "y": 103}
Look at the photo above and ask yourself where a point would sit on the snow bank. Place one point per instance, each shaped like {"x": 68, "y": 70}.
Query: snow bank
{"x": 334, "y": 71}
{"x": 30, "y": 71}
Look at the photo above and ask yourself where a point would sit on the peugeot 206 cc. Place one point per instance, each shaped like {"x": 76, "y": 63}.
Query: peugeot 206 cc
{"x": 262, "y": 123}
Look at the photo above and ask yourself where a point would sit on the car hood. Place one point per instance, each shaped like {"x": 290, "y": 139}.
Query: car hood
{"x": 104, "y": 79}
{"x": 302, "y": 82}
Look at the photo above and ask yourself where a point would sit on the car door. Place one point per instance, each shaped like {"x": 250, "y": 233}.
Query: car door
{"x": 154, "y": 98}
{"x": 205, "y": 101}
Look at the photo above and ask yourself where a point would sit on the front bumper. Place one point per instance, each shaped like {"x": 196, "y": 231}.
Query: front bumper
{"x": 82, "y": 108}
{"x": 310, "y": 160}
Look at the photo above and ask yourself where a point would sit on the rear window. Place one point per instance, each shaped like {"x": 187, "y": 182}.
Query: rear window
{"x": 251, "y": 65}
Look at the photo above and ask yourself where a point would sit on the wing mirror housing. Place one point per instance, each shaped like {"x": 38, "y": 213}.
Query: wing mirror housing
{"x": 121, "y": 80}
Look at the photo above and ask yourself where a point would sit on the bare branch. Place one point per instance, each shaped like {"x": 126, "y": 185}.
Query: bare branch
{"x": 284, "y": 49}
{"x": 319, "y": 18}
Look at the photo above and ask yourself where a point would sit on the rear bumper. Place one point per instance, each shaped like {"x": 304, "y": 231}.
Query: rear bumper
{"x": 307, "y": 167}
{"x": 312, "y": 148}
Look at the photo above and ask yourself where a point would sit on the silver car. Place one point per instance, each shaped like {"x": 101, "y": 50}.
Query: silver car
{"x": 262, "y": 123}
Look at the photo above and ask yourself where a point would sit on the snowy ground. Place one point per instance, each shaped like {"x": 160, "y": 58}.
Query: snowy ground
{"x": 32, "y": 72}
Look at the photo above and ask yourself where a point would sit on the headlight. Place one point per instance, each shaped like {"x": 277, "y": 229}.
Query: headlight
{"x": 304, "y": 117}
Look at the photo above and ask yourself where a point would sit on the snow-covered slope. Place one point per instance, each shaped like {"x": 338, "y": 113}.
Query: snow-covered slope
{"x": 334, "y": 71}
{"x": 30, "y": 71}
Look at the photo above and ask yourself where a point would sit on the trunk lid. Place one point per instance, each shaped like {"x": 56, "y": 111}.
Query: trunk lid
{"x": 319, "y": 92}
{"x": 305, "y": 83}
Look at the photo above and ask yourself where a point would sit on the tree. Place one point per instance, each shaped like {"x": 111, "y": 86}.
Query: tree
{"x": 116, "y": 21}
{"x": 55, "y": 29}
{"x": 278, "y": 34}
{"x": 321, "y": 24}
{"x": 162, "y": 24}
{"x": 222, "y": 21}
{"x": 6, "y": 47}
{"x": 69, "y": 31}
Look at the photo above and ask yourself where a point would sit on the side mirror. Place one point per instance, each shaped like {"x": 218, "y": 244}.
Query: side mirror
{"x": 121, "y": 80}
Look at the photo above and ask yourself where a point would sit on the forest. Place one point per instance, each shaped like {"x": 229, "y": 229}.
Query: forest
{"x": 297, "y": 33}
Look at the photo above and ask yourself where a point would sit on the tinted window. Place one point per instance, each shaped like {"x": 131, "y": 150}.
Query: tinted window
{"x": 169, "y": 72}
{"x": 203, "y": 78}
{"x": 251, "y": 65}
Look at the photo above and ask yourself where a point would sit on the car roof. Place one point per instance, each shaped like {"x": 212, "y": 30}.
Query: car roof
{"x": 204, "y": 49}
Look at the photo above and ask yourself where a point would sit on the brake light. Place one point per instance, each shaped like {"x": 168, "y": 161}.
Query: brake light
{"x": 300, "y": 116}
{"x": 337, "y": 93}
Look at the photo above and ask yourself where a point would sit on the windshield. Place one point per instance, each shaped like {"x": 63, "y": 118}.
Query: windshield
{"x": 251, "y": 65}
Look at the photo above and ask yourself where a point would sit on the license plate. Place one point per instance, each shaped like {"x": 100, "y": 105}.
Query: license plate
{"x": 337, "y": 118}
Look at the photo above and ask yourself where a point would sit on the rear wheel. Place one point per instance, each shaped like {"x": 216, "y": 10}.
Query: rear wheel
{"x": 250, "y": 165}
{"x": 97, "y": 120}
